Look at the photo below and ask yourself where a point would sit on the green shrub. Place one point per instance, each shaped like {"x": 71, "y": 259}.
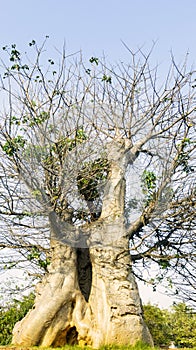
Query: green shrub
{"x": 11, "y": 314}
{"x": 183, "y": 323}
{"x": 157, "y": 321}
{"x": 177, "y": 325}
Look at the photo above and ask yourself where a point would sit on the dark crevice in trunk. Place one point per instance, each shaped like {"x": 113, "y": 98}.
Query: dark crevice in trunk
{"x": 84, "y": 268}
{"x": 72, "y": 336}
{"x": 68, "y": 336}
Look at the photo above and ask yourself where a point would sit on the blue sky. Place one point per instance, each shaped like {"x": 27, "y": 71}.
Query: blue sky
{"x": 99, "y": 26}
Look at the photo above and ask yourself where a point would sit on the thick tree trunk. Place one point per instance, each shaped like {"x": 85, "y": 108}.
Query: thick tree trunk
{"x": 89, "y": 295}
{"x": 54, "y": 304}
{"x": 86, "y": 298}
{"x": 114, "y": 300}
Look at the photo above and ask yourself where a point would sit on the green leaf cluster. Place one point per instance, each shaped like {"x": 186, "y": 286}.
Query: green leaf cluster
{"x": 107, "y": 79}
{"x": 37, "y": 256}
{"x": 184, "y": 156}
{"x": 94, "y": 60}
{"x": 31, "y": 120}
{"x": 69, "y": 143}
{"x": 13, "y": 145}
{"x": 90, "y": 176}
{"x": 15, "y": 58}
{"x": 32, "y": 43}
{"x": 148, "y": 179}
{"x": 14, "y": 54}
{"x": 164, "y": 263}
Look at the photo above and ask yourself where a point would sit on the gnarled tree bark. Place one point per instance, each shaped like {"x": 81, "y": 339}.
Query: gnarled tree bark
{"x": 90, "y": 295}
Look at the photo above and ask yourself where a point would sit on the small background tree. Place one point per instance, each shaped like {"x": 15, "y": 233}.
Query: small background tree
{"x": 183, "y": 325}
{"x": 158, "y": 324}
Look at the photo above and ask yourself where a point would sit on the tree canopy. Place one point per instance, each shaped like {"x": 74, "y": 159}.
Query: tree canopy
{"x": 63, "y": 122}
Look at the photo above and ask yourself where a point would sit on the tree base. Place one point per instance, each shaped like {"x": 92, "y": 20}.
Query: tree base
{"x": 65, "y": 314}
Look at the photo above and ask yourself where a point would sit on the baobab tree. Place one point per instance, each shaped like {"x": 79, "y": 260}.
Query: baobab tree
{"x": 105, "y": 156}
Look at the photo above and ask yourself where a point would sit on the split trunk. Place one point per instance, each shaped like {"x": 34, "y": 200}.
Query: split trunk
{"x": 89, "y": 296}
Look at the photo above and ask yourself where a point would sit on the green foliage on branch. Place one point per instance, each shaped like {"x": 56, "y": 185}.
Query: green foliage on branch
{"x": 64, "y": 144}
{"x": 148, "y": 179}
{"x": 13, "y": 145}
{"x": 90, "y": 176}
{"x": 15, "y": 59}
{"x": 184, "y": 156}
{"x": 107, "y": 79}
{"x": 54, "y": 162}
{"x": 164, "y": 263}
{"x": 11, "y": 314}
{"x": 94, "y": 60}
{"x": 38, "y": 257}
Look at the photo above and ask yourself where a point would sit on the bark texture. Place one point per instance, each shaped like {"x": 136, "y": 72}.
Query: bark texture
{"x": 89, "y": 296}
{"x": 64, "y": 313}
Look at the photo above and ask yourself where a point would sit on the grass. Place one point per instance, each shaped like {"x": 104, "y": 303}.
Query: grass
{"x": 137, "y": 346}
